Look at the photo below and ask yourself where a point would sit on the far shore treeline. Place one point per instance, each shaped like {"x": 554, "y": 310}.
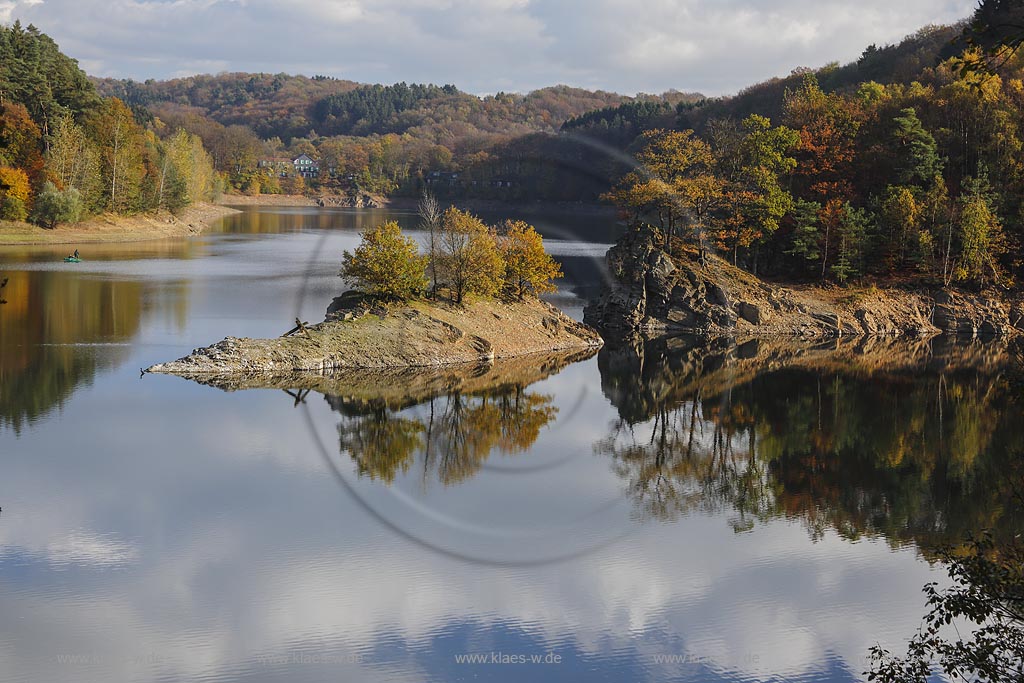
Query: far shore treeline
{"x": 67, "y": 153}
{"x": 906, "y": 166}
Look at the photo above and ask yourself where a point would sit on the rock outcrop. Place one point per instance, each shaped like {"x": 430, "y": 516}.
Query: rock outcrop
{"x": 653, "y": 293}
{"x": 360, "y": 333}
{"x": 359, "y": 200}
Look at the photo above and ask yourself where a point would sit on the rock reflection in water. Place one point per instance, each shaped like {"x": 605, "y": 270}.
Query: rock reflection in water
{"x": 916, "y": 440}
{"x": 463, "y": 413}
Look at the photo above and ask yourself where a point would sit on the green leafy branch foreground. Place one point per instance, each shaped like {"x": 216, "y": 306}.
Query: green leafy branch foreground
{"x": 988, "y": 596}
{"x": 464, "y": 256}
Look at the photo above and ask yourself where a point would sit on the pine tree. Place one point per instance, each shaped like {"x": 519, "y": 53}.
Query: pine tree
{"x": 918, "y": 156}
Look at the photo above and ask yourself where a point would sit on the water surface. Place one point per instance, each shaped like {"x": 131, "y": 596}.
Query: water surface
{"x": 659, "y": 511}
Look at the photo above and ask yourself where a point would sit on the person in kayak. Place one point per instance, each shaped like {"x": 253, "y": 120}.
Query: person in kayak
{"x": 75, "y": 254}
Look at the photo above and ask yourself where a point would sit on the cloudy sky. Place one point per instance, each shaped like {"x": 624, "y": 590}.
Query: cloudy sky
{"x": 714, "y": 46}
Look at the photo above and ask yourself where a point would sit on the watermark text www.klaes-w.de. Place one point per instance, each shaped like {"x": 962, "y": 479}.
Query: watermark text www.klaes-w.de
{"x": 309, "y": 658}
{"x": 696, "y": 659}
{"x": 499, "y": 657}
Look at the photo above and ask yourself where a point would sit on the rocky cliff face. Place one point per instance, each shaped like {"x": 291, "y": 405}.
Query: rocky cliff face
{"x": 653, "y": 293}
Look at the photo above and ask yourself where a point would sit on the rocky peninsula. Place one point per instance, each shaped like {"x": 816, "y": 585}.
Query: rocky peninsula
{"x": 654, "y": 293}
{"x": 362, "y": 333}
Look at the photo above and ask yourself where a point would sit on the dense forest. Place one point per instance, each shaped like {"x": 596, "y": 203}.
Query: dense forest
{"x": 377, "y": 138}
{"x": 832, "y": 174}
{"x": 66, "y": 152}
{"x": 907, "y": 163}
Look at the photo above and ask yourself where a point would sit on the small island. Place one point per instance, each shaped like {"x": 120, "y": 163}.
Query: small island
{"x": 471, "y": 298}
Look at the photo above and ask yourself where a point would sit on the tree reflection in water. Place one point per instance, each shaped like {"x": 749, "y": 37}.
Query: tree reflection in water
{"x": 457, "y": 434}
{"x": 57, "y": 332}
{"x": 912, "y": 440}
{"x": 451, "y": 419}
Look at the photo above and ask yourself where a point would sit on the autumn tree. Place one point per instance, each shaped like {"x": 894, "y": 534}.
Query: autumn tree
{"x": 674, "y": 181}
{"x": 14, "y": 194}
{"x": 386, "y": 263}
{"x": 980, "y": 235}
{"x": 72, "y": 160}
{"x": 469, "y": 256}
{"x": 901, "y": 216}
{"x": 20, "y": 141}
{"x": 753, "y": 161}
{"x": 528, "y": 268}
{"x": 937, "y": 234}
{"x": 121, "y": 156}
{"x": 827, "y": 125}
{"x": 186, "y": 171}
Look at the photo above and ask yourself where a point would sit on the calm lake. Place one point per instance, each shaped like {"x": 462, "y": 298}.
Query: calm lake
{"x": 665, "y": 511}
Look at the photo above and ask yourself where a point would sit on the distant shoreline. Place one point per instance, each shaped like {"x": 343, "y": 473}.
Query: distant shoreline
{"x": 109, "y": 228}
{"x": 412, "y": 203}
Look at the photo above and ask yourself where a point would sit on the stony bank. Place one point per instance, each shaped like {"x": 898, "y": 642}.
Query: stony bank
{"x": 653, "y": 293}
{"x": 359, "y": 333}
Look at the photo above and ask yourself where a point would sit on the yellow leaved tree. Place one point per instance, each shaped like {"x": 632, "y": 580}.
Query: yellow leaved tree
{"x": 386, "y": 263}
{"x": 528, "y": 268}
{"x": 469, "y": 258}
{"x": 14, "y": 194}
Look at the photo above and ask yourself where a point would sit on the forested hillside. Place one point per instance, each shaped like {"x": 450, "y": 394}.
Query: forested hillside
{"x": 270, "y": 104}
{"x": 66, "y": 152}
{"x": 288, "y": 107}
{"x": 377, "y": 138}
{"x": 906, "y": 164}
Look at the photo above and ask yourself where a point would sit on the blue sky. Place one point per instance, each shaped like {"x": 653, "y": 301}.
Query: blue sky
{"x": 712, "y": 46}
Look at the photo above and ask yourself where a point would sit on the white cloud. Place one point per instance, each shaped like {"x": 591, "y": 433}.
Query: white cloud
{"x": 714, "y": 47}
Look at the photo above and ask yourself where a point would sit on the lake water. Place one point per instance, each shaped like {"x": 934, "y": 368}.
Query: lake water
{"x": 657, "y": 512}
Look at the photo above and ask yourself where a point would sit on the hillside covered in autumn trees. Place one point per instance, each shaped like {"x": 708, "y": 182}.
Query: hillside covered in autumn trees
{"x": 908, "y": 162}
{"x": 378, "y": 138}
{"x": 66, "y": 152}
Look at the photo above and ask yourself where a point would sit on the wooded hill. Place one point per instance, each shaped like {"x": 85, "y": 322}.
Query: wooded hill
{"x": 287, "y": 107}
{"x": 66, "y": 152}
{"x": 377, "y": 138}
{"x": 906, "y": 164}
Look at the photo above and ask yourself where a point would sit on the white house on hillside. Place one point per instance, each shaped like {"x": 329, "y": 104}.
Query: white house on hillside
{"x": 306, "y": 167}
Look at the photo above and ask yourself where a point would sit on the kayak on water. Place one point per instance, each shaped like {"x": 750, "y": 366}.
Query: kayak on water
{"x": 72, "y": 259}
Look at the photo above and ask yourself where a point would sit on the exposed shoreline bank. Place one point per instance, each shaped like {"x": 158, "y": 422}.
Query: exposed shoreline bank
{"x": 366, "y": 201}
{"x": 655, "y": 294}
{"x": 109, "y": 228}
{"x": 356, "y": 335}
